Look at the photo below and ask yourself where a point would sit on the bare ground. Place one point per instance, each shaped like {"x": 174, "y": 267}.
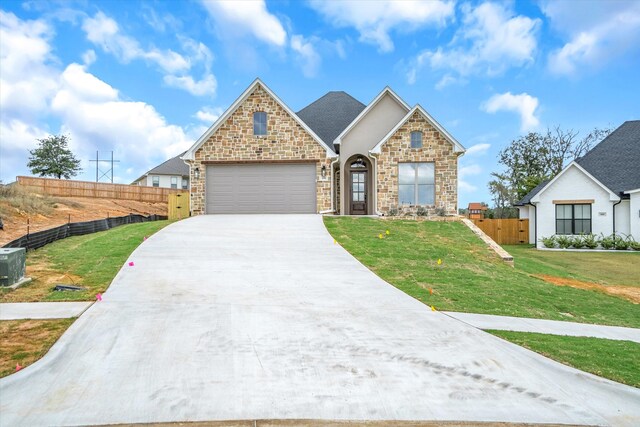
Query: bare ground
{"x": 73, "y": 209}
{"x": 631, "y": 293}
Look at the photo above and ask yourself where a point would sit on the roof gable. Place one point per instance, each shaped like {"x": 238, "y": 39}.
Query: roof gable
{"x": 190, "y": 153}
{"x": 386, "y": 91}
{"x": 458, "y": 148}
{"x": 331, "y": 114}
{"x": 536, "y": 198}
{"x": 614, "y": 161}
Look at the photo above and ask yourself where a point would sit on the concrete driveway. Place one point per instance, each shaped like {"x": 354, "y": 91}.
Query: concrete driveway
{"x": 264, "y": 317}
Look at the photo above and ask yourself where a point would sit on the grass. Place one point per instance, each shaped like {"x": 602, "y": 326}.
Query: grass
{"x": 615, "y": 360}
{"x": 91, "y": 261}
{"x": 471, "y": 278}
{"x": 604, "y": 268}
{"x": 25, "y": 341}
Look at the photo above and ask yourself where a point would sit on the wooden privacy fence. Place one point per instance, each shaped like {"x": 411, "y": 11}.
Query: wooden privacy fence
{"x": 505, "y": 231}
{"x": 178, "y": 205}
{"x": 69, "y": 188}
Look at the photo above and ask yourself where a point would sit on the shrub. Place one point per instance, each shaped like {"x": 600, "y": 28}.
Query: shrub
{"x": 422, "y": 211}
{"x": 549, "y": 242}
{"x": 634, "y": 245}
{"x": 393, "y": 212}
{"x": 622, "y": 244}
{"x": 440, "y": 212}
{"x": 564, "y": 241}
{"x": 607, "y": 242}
{"x": 590, "y": 241}
{"x": 578, "y": 241}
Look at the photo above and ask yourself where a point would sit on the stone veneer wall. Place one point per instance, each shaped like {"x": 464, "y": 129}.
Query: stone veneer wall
{"x": 435, "y": 148}
{"x": 285, "y": 140}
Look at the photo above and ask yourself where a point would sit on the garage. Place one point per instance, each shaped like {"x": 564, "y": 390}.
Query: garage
{"x": 253, "y": 188}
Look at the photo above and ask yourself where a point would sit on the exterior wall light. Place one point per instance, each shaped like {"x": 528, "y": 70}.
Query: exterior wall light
{"x": 323, "y": 171}
{"x": 196, "y": 173}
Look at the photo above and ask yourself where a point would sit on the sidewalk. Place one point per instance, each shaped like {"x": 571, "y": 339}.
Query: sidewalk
{"x": 553, "y": 327}
{"x": 42, "y": 310}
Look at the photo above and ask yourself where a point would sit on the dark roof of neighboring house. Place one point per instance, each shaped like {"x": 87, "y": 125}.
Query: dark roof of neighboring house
{"x": 331, "y": 114}
{"x": 614, "y": 161}
{"x": 173, "y": 166}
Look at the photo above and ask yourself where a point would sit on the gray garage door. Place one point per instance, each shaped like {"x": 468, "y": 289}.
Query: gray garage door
{"x": 261, "y": 188}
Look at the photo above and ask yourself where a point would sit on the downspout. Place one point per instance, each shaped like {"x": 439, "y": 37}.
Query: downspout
{"x": 375, "y": 183}
{"x": 535, "y": 227}
{"x": 614, "y": 219}
{"x": 333, "y": 209}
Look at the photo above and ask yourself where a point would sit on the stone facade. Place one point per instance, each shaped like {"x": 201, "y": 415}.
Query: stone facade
{"x": 234, "y": 141}
{"x": 435, "y": 148}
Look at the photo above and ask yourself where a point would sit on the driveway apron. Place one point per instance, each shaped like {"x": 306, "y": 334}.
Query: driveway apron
{"x": 265, "y": 317}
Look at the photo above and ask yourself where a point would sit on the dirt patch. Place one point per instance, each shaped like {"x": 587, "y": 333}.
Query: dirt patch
{"x": 25, "y": 341}
{"x": 45, "y": 277}
{"x": 70, "y": 209}
{"x": 631, "y": 293}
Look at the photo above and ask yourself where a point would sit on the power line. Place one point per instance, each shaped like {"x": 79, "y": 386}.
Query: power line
{"x": 104, "y": 173}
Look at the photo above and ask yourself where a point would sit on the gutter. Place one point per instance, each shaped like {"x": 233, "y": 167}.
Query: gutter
{"x": 614, "y": 219}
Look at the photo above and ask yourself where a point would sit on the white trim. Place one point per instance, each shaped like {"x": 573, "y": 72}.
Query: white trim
{"x": 386, "y": 90}
{"x": 637, "y": 190}
{"x": 190, "y": 154}
{"x": 458, "y": 147}
{"x": 613, "y": 197}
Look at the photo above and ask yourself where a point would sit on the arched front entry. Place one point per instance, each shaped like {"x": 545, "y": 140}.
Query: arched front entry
{"x": 359, "y": 175}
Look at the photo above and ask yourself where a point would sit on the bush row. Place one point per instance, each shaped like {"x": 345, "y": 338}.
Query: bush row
{"x": 590, "y": 241}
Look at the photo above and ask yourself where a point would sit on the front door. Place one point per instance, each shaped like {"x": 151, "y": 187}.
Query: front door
{"x": 359, "y": 193}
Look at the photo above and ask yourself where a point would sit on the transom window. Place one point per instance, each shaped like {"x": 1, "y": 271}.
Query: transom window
{"x": 155, "y": 181}
{"x": 259, "y": 123}
{"x": 416, "y": 139}
{"x": 416, "y": 183}
{"x": 174, "y": 182}
{"x": 573, "y": 219}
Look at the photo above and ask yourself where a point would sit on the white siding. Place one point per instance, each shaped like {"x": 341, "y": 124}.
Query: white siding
{"x": 622, "y": 218}
{"x": 634, "y": 216}
{"x": 165, "y": 181}
{"x": 574, "y": 184}
{"x": 528, "y": 212}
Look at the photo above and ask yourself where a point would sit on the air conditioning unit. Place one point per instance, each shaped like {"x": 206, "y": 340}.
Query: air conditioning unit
{"x": 13, "y": 265}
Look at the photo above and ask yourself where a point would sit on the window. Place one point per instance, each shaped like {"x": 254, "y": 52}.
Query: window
{"x": 259, "y": 123}
{"x": 416, "y": 183}
{"x": 174, "y": 182}
{"x": 156, "y": 181}
{"x": 416, "y": 139}
{"x": 573, "y": 219}
{"x": 185, "y": 183}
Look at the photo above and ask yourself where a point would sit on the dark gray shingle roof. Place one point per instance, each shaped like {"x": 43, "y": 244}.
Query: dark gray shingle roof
{"x": 173, "y": 166}
{"x": 331, "y": 114}
{"x": 615, "y": 161}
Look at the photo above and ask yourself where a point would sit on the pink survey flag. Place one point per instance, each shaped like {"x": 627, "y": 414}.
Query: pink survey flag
{"x": 99, "y": 296}
{"x": 130, "y": 263}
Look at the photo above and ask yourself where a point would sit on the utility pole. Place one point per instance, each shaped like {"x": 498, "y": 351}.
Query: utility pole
{"x": 104, "y": 173}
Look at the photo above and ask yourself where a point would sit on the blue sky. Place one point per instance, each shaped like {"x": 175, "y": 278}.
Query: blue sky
{"x": 146, "y": 78}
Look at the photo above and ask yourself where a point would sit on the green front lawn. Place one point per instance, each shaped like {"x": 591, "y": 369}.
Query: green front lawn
{"x": 91, "y": 261}
{"x": 616, "y": 360}
{"x": 471, "y": 278}
{"x": 605, "y": 268}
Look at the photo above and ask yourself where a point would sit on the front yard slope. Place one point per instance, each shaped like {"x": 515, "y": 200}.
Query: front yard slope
{"x": 469, "y": 277}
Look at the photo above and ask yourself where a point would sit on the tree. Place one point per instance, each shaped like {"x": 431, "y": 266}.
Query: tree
{"x": 536, "y": 157}
{"x": 53, "y": 158}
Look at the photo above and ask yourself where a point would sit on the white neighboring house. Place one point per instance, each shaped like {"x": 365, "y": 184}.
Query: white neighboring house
{"x": 598, "y": 193}
{"x": 174, "y": 173}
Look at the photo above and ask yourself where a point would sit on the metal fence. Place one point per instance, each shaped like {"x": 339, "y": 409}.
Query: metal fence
{"x": 40, "y": 238}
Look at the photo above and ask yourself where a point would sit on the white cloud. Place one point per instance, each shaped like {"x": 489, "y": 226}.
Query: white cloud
{"x": 374, "y": 20}
{"x": 206, "y": 86}
{"x": 490, "y": 40}
{"x": 597, "y": 32}
{"x": 308, "y": 57}
{"x": 469, "y": 170}
{"x": 209, "y": 115}
{"x": 249, "y": 17}
{"x": 89, "y": 57}
{"x": 523, "y": 104}
{"x": 477, "y": 149}
{"x": 466, "y": 187}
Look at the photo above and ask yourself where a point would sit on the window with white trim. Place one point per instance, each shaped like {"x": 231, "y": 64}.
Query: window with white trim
{"x": 573, "y": 219}
{"x": 174, "y": 182}
{"x": 259, "y": 123}
{"x": 185, "y": 183}
{"x": 416, "y": 183}
{"x": 155, "y": 181}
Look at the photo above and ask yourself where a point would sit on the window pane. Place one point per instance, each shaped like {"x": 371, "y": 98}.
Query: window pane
{"x": 406, "y": 195}
{"x": 355, "y": 186}
{"x": 426, "y": 173}
{"x": 260, "y": 123}
{"x": 361, "y": 186}
{"x": 426, "y": 194}
{"x": 416, "y": 139}
{"x": 406, "y": 173}
{"x": 563, "y": 226}
{"x": 583, "y": 226}
{"x": 563, "y": 211}
{"x": 583, "y": 211}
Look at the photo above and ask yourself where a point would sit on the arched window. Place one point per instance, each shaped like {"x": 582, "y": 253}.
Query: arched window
{"x": 259, "y": 123}
{"x": 416, "y": 139}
